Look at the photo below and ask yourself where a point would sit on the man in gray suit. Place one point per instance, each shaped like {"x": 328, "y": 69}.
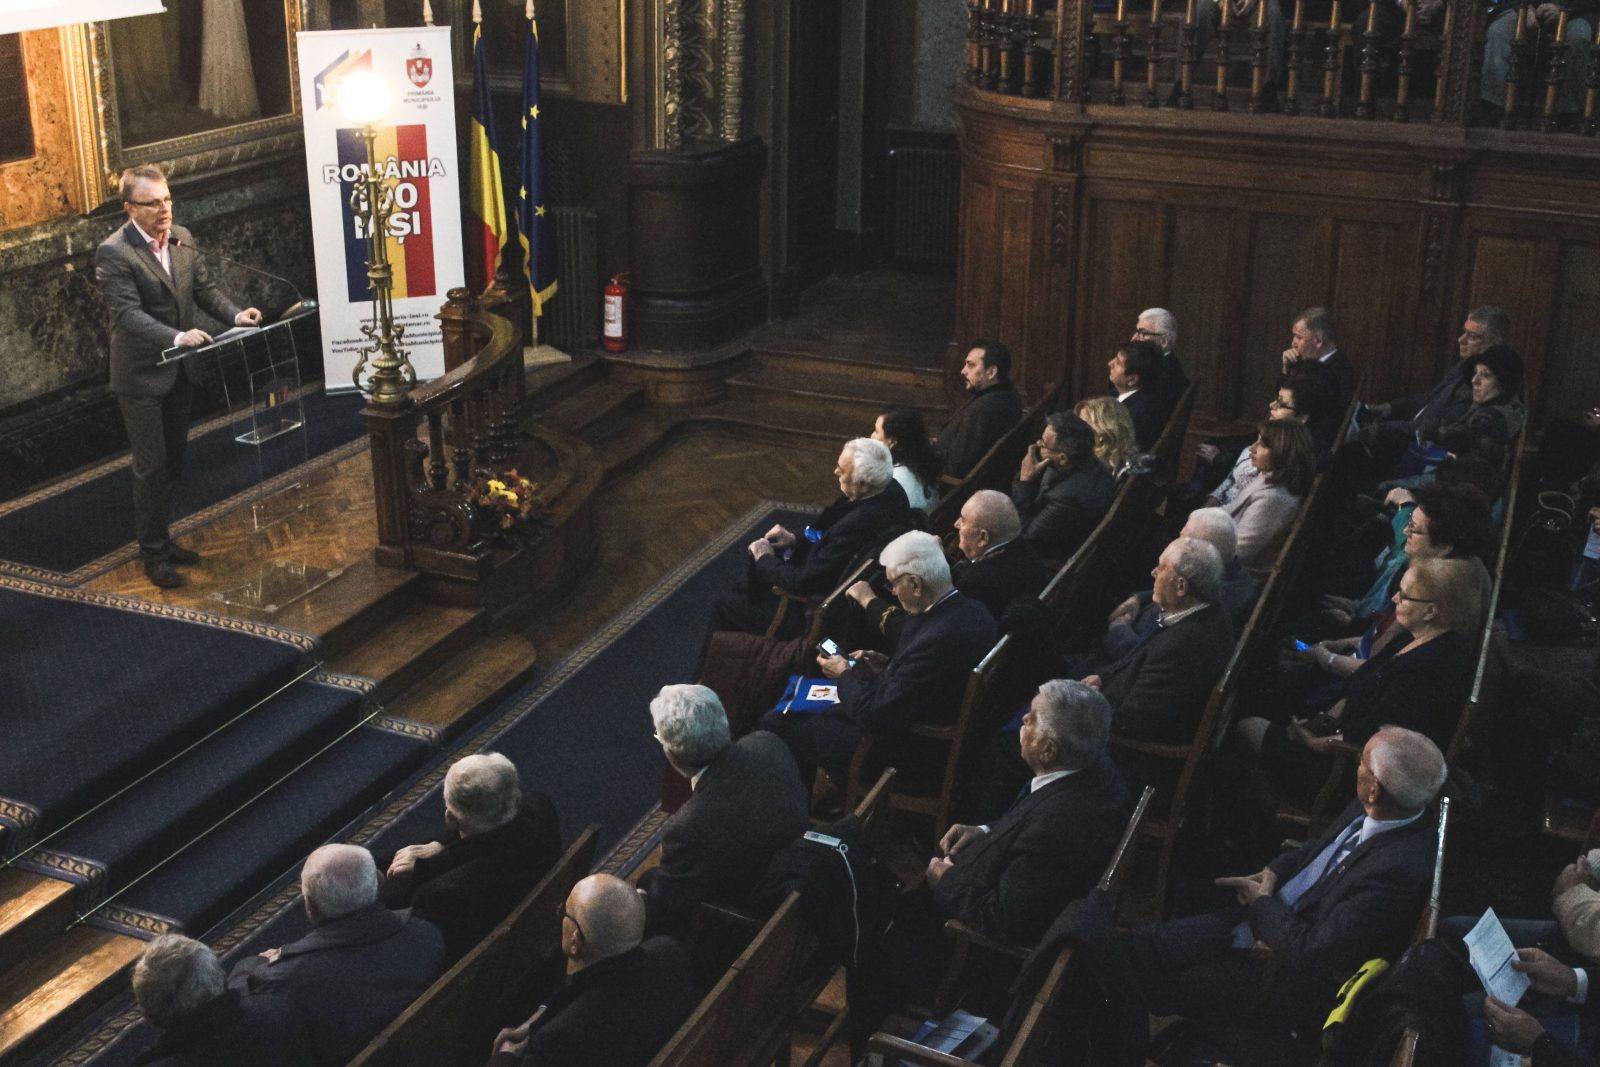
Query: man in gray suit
{"x": 153, "y": 281}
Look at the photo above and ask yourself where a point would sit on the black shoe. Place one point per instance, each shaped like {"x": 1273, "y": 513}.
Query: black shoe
{"x": 179, "y": 556}
{"x": 161, "y": 574}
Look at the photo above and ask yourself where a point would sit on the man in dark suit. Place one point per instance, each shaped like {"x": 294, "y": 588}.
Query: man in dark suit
{"x": 1160, "y": 327}
{"x": 625, "y": 996}
{"x": 1158, "y": 688}
{"x": 871, "y": 510}
{"x": 501, "y": 842}
{"x": 1351, "y": 894}
{"x": 359, "y": 967}
{"x": 747, "y": 803}
{"x": 178, "y": 984}
{"x": 1237, "y": 596}
{"x": 993, "y": 408}
{"x": 1062, "y": 490}
{"x": 997, "y": 567}
{"x": 155, "y": 284}
{"x": 923, "y": 681}
{"x": 1314, "y": 345}
{"x": 1135, "y": 372}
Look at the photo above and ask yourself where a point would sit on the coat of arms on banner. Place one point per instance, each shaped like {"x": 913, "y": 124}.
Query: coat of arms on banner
{"x": 419, "y": 68}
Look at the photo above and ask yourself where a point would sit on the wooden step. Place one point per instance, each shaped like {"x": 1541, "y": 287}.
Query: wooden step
{"x": 551, "y": 381}
{"x": 409, "y": 646}
{"x": 452, "y": 697}
{"x": 931, "y": 378}
{"x": 598, "y": 402}
{"x": 353, "y": 605}
{"x": 620, "y": 446}
{"x": 61, "y": 985}
{"x": 868, "y": 397}
{"x": 33, "y": 908}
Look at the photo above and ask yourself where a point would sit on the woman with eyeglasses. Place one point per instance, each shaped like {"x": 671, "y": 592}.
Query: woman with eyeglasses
{"x": 1266, "y": 488}
{"x": 1419, "y": 680}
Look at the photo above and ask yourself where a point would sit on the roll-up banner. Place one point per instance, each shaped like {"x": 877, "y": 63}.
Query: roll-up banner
{"x": 416, "y": 149}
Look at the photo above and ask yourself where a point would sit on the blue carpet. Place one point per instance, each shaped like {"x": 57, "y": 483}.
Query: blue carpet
{"x": 100, "y": 688}
{"x": 60, "y": 533}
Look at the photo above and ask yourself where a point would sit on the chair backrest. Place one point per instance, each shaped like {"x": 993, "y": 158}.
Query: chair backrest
{"x": 828, "y": 617}
{"x": 1405, "y": 1053}
{"x": 995, "y": 468}
{"x": 1116, "y": 873}
{"x": 872, "y": 806}
{"x": 977, "y": 710}
{"x": 1075, "y": 593}
{"x": 456, "y": 1019}
{"x": 770, "y": 983}
{"x": 1168, "y": 449}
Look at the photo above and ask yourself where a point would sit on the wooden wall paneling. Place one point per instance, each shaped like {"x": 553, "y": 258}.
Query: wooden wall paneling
{"x": 979, "y": 299}
{"x": 1372, "y": 296}
{"x": 1202, "y": 250}
{"x": 1572, "y": 357}
{"x": 1121, "y": 233}
{"x": 1512, "y": 265}
{"x": 1290, "y": 268}
{"x": 1015, "y": 232}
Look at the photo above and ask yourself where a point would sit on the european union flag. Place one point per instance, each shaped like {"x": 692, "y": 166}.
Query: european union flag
{"x": 533, "y": 218}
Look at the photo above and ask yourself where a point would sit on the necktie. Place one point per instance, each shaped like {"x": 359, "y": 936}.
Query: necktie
{"x": 1326, "y": 860}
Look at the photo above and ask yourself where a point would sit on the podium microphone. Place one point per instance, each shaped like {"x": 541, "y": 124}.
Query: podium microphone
{"x": 301, "y": 302}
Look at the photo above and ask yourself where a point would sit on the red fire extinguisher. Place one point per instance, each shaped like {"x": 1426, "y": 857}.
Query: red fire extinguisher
{"x": 615, "y": 333}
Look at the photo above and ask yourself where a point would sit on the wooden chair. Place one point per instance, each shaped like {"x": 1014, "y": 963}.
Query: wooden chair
{"x": 1037, "y": 1027}
{"x": 1075, "y": 596}
{"x": 1405, "y": 1052}
{"x": 976, "y": 711}
{"x": 817, "y": 609}
{"x": 1168, "y": 449}
{"x": 996, "y": 467}
{"x": 456, "y": 1019}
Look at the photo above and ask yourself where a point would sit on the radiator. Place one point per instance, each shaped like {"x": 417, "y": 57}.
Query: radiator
{"x": 927, "y": 197}
{"x": 572, "y": 318}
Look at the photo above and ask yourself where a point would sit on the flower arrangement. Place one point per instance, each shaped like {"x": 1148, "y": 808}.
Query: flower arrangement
{"x": 509, "y": 496}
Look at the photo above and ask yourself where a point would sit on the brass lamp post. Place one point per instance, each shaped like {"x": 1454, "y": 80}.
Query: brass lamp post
{"x": 364, "y": 99}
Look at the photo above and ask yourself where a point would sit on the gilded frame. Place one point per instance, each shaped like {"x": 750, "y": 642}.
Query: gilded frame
{"x": 102, "y": 155}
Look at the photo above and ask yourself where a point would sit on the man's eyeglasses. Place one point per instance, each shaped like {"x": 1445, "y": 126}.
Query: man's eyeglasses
{"x": 165, "y": 201}
{"x": 1413, "y": 599}
{"x": 1277, "y": 405}
{"x": 561, "y": 909}
{"x": 1141, "y": 332}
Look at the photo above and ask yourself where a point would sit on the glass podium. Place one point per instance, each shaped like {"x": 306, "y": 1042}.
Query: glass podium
{"x": 259, "y": 369}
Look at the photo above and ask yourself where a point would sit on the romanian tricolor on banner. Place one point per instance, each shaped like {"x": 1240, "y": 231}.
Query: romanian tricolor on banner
{"x": 533, "y": 219}
{"x": 487, "y": 227}
{"x": 402, "y": 153}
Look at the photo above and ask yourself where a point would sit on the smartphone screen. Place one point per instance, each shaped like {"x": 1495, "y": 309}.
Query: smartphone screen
{"x": 1301, "y": 646}
{"x": 828, "y": 647}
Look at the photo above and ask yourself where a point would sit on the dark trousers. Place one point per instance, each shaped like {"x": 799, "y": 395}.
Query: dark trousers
{"x": 821, "y": 739}
{"x": 158, "y": 430}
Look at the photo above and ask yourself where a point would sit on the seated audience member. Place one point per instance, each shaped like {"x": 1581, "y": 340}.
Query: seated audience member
{"x": 1419, "y": 680}
{"x": 501, "y": 843}
{"x": 1314, "y": 346}
{"x": 1496, "y": 413}
{"x": 1062, "y": 491}
{"x": 747, "y": 803}
{"x": 1266, "y": 488}
{"x": 1302, "y": 396}
{"x": 1237, "y": 597}
{"x": 1160, "y": 327}
{"x": 1347, "y": 896}
{"x": 178, "y": 984}
{"x": 870, "y": 511}
{"x": 359, "y": 967}
{"x": 993, "y": 407}
{"x": 1159, "y": 687}
{"x": 916, "y": 465}
{"x": 923, "y": 681}
{"x": 1114, "y": 445}
{"x": 1503, "y": 35}
{"x": 1135, "y": 372}
{"x": 1388, "y": 429}
{"x": 625, "y": 996}
{"x": 997, "y": 567}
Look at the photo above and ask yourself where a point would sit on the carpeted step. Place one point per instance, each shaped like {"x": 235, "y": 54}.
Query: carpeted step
{"x": 137, "y": 829}
{"x": 221, "y": 870}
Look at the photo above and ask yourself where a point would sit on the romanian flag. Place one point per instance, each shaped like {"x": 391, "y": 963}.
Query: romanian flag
{"x": 326, "y": 83}
{"x": 402, "y": 154}
{"x": 533, "y": 220}
{"x": 487, "y": 228}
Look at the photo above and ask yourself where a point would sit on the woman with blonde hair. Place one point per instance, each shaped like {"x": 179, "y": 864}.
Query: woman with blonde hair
{"x": 1114, "y": 444}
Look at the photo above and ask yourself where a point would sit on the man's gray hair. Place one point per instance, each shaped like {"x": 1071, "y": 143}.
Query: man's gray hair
{"x": 338, "y": 880}
{"x": 144, "y": 172}
{"x": 1076, "y": 718}
{"x": 917, "y": 553}
{"x": 1408, "y": 765}
{"x": 482, "y": 791}
{"x": 1496, "y": 320}
{"x": 1320, "y": 320}
{"x": 993, "y": 511}
{"x": 691, "y": 725}
{"x": 1217, "y": 528}
{"x": 1200, "y": 564}
{"x": 1166, "y": 322}
{"x": 174, "y": 976}
{"x": 873, "y": 463}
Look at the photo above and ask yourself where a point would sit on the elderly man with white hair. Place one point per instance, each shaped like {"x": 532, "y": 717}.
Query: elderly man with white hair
{"x": 871, "y": 509}
{"x": 625, "y": 995}
{"x": 997, "y": 567}
{"x": 923, "y": 682}
{"x": 359, "y": 967}
{"x": 1158, "y": 687}
{"x": 178, "y": 984}
{"x": 747, "y": 803}
{"x": 499, "y": 841}
{"x": 1127, "y": 623}
{"x": 1160, "y": 327}
{"x": 1348, "y": 895}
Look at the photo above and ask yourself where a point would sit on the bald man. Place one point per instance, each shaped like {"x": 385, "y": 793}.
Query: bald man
{"x": 997, "y": 567}
{"x": 359, "y": 967}
{"x": 625, "y": 997}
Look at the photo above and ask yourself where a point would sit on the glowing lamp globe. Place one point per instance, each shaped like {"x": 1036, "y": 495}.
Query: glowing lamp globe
{"x": 363, "y": 97}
